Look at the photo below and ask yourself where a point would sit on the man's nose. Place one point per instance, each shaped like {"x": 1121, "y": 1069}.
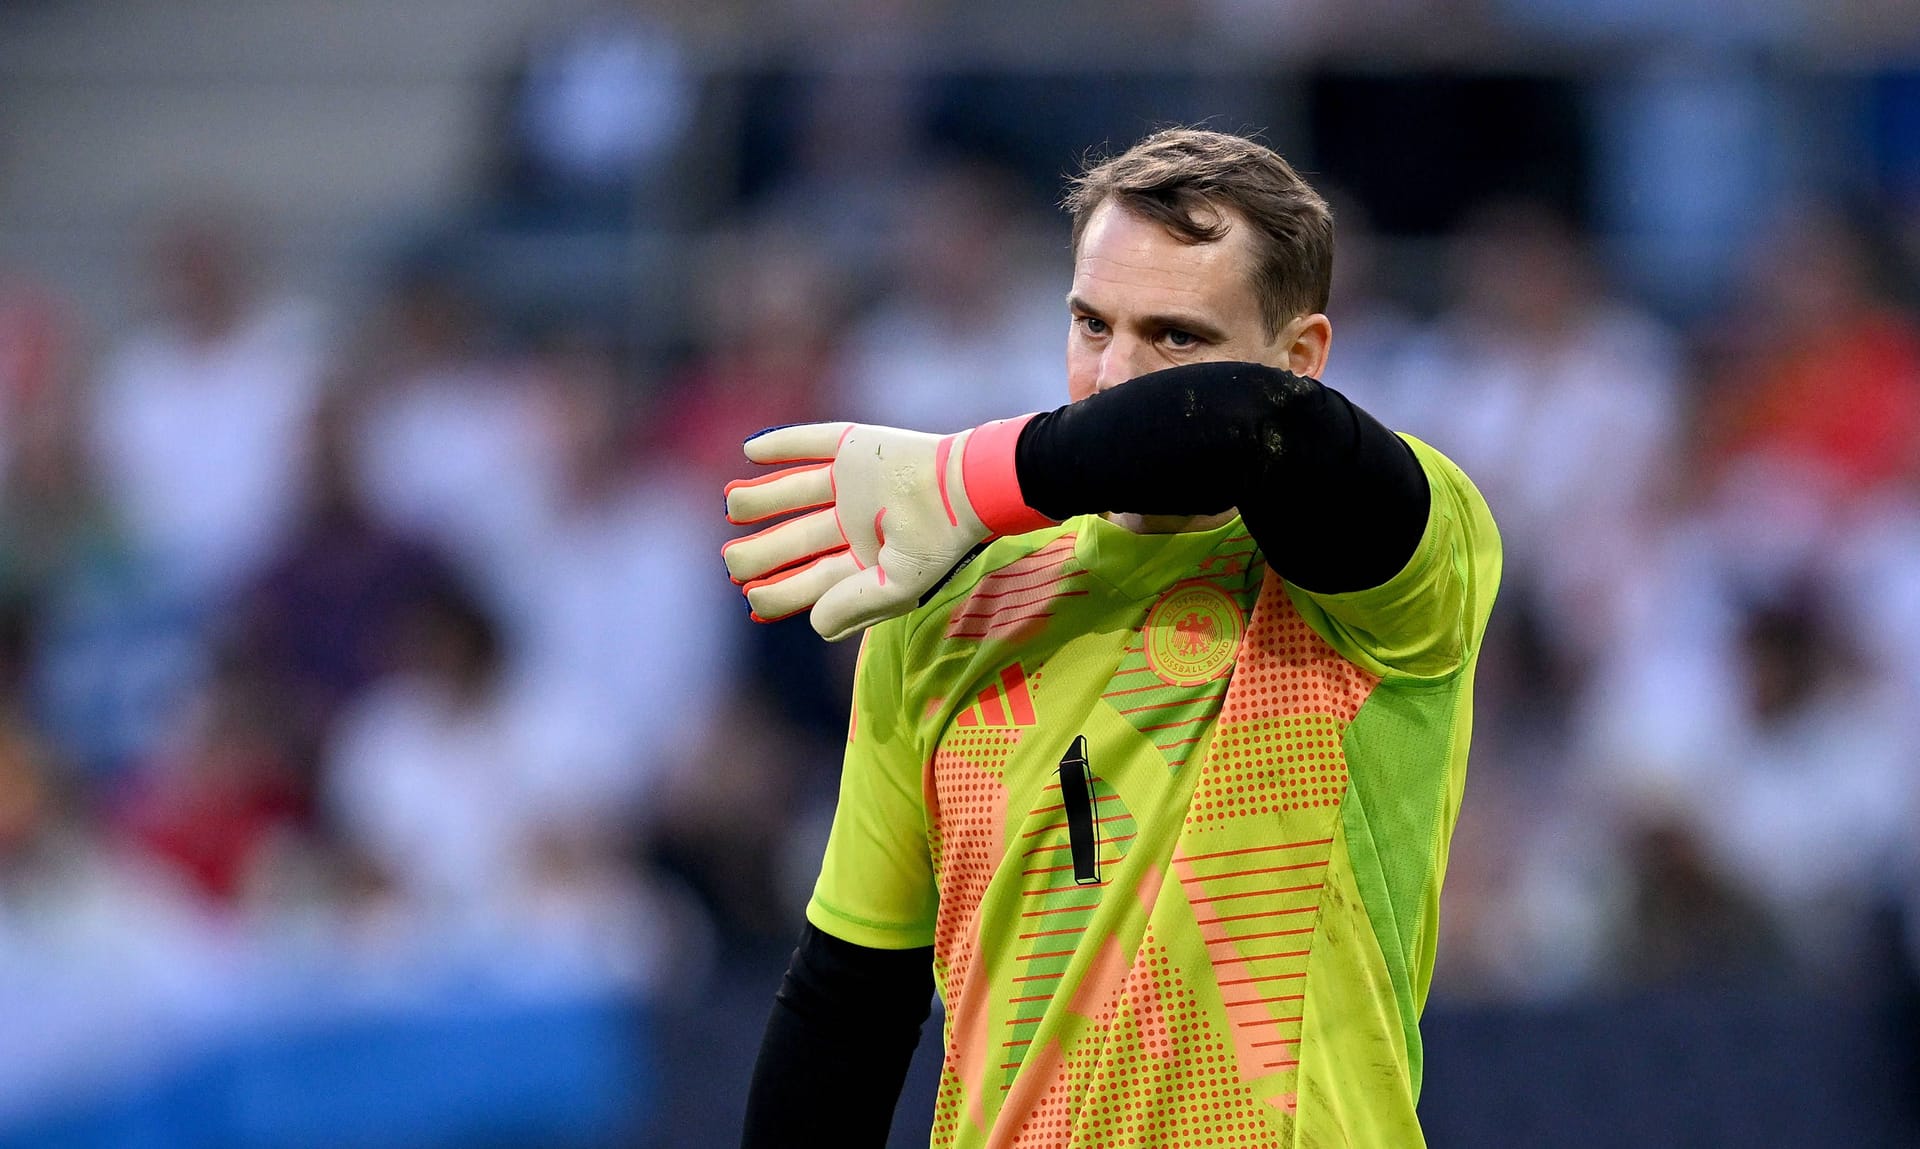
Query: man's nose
{"x": 1124, "y": 359}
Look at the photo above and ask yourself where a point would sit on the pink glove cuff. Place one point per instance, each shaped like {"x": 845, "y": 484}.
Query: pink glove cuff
{"x": 993, "y": 485}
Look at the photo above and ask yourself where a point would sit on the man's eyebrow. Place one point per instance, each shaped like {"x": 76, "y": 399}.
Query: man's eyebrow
{"x": 1192, "y": 324}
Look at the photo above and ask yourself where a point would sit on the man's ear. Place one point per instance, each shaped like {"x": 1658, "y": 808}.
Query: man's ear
{"x": 1303, "y": 344}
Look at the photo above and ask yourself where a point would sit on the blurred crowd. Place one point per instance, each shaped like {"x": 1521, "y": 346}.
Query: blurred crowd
{"x": 387, "y": 633}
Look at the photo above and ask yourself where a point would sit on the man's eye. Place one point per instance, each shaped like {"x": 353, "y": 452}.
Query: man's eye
{"x": 1091, "y": 325}
{"x": 1181, "y": 340}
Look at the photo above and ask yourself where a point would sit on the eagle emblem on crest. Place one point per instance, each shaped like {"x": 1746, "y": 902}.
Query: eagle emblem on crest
{"x": 1195, "y": 633}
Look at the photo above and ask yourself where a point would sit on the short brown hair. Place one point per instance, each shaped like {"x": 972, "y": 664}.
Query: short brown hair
{"x": 1182, "y": 178}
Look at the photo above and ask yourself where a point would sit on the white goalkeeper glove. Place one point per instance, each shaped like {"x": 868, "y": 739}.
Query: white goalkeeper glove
{"x": 893, "y": 514}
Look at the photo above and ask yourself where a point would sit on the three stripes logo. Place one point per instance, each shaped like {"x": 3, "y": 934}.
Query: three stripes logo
{"x": 1005, "y": 703}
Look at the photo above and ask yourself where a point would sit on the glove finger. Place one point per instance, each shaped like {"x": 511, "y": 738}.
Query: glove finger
{"x": 794, "y": 489}
{"x": 856, "y": 603}
{"x": 798, "y": 443}
{"x": 783, "y": 545}
{"x": 791, "y": 591}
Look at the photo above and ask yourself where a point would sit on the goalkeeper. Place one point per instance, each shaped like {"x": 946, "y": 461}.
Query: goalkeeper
{"x": 1159, "y": 742}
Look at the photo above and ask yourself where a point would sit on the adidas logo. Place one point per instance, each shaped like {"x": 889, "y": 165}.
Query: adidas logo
{"x": 1005, "y": 704}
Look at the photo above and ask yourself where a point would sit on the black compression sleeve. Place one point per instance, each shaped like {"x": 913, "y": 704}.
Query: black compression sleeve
{"x": 841, "y": 1035}
{"x": 1335, "y": 500}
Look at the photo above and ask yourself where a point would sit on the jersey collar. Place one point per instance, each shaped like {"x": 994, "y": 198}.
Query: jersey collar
{"x": 1143, "y": 565}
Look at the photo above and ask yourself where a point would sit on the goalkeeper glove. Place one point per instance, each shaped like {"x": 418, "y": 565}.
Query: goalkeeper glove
{"x": 893, "y": 514}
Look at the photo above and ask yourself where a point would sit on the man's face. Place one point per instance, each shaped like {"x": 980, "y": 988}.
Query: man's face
{"x": 1142, "y": 300}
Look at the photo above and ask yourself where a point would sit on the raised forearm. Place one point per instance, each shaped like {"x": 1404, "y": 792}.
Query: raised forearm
{"x": 1336, "y": 501}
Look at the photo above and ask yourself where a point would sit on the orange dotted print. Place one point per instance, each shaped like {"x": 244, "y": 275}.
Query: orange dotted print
{"x": 1277, "y": 748}
{"x": 967, "y": 839}
{"x": 967, "y": 803}
{"x": 1270, "y": 767}
{"x": 1152, "y": 1071}
{"x": 1287, "y": 668}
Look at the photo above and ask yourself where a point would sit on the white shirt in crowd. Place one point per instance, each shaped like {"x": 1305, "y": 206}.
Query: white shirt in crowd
{"x": 613, "y": 610}
{"x": 458, "y": 455}
{"x": 201, "y": 445}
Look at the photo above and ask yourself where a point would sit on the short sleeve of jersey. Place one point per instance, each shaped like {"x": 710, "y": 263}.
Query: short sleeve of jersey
{"x": 876, "y": 885}
{"x": 1427, "y": 620}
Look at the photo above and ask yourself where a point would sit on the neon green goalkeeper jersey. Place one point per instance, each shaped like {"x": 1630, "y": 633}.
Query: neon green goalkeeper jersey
{"x": 1242, "y": 953}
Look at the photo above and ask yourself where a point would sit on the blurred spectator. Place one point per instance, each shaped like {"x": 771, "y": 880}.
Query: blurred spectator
{"x": 972, "y": 330}
{"x": 53, "y": 518}
{"x": 1563, "y": 403}
{"x": 612, "y": 615}
{"x": 318, "y": 625}
{"x": 35, "y": 363}
{"x": 772, "y": 307}
{"x": 1685, "y": 921}
{"x": 843, "y": 134}
{"x": 1533, "y": 896}
{"x": 746, "y": 826}
{"x": 95, "y": 932}
{"x": 425, "y": 778}
{"x": 1373, "y": 329}
{"x": 1815, "y": 402}
{"x": 442, "y": 785}
{"x": 221, "y": 794}
{"x": 1788, "y": 758}
{"x": 598, "y": 117}
{"x": 449, "y": 443}
{"x": 1874, "y": 590}
{"x": 1676, "y": 227}
{"x": 1559, "y": 887}
{"x": 1814, "y": 802}
{"x": 199, "y": 418}
{"x": 114, "y": 648}
{"x": 108, "y": 964}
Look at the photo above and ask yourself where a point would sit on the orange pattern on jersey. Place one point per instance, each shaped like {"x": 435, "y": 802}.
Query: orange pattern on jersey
{"x": 1169, "y": 1050}
{"x": 1287, "y": 668}
{"x": 1147, "y": 1072}
{"x": 1224, "y": 1025}
{"x": 966, "y": 806}
{"x": 1057, "y": 911}
{"x": 1257, "y": 945}
{"x": 1276, "y": 757}
{"x": 1013, "y": 602}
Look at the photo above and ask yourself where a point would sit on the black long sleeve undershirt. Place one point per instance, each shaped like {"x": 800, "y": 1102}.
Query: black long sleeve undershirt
{"x": 838, "y": 1043}
{"x": 1336, "y": 501}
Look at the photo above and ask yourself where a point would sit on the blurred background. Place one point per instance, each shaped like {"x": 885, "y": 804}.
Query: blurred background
{"x": 384, "y": 759}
